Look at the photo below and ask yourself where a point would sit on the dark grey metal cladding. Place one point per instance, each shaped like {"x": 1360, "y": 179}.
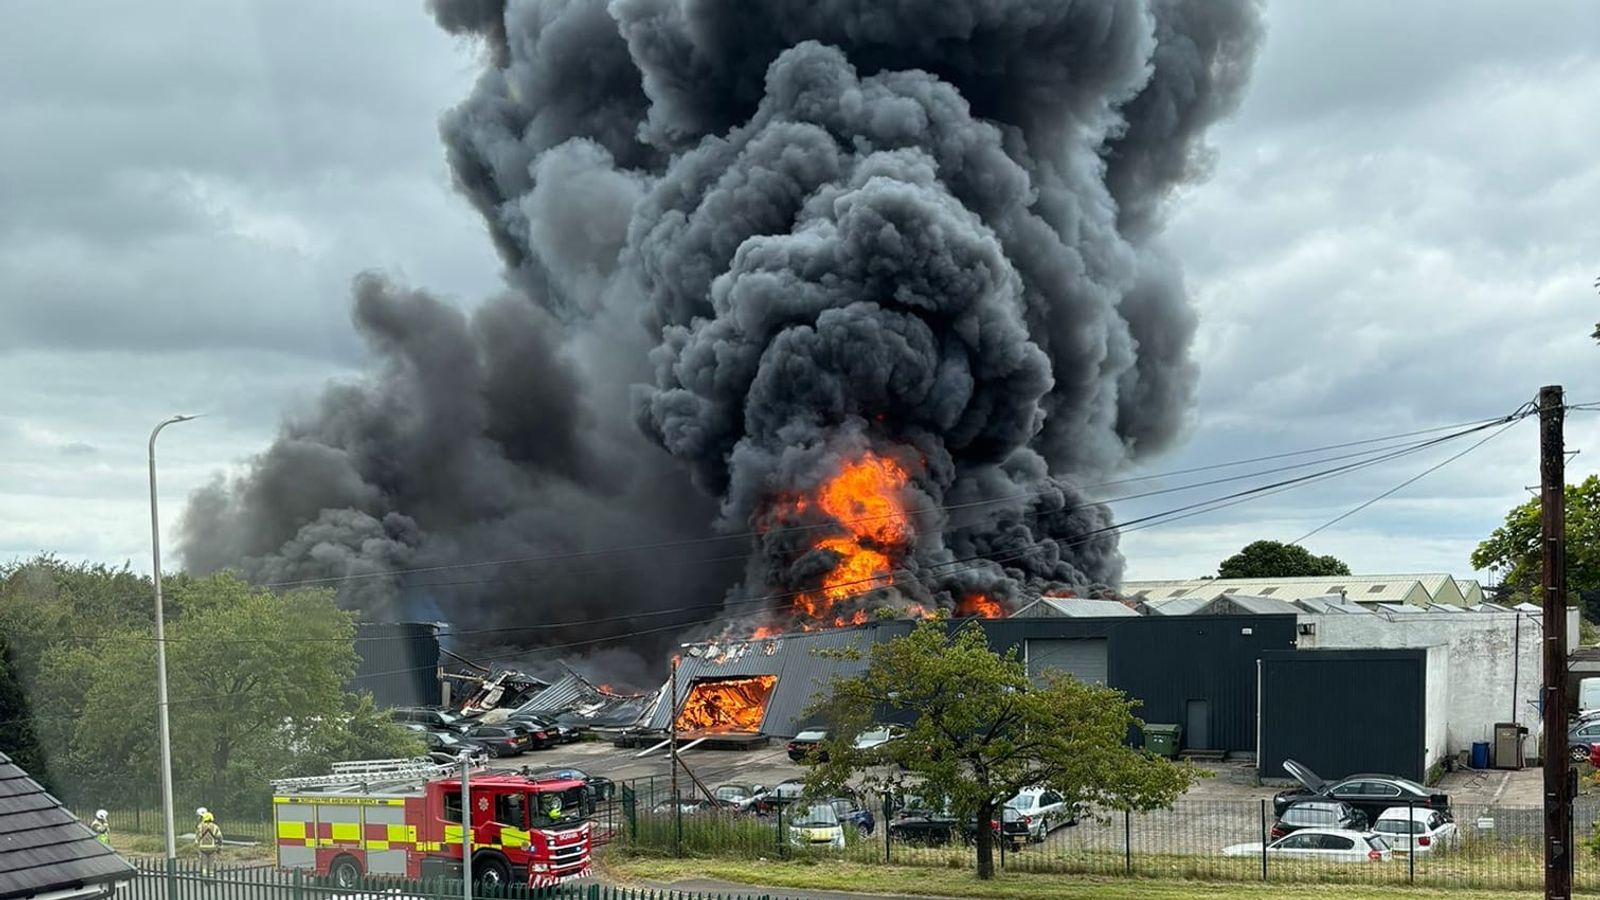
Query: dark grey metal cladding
{"x": 1166, "y": 661}
{"x": 796, "y": 659}
{"x": 43, "y": 847}
{"x": 398, "y": 663}
{"x": 558, "y": 697}
{"x": 1340, "y": 712}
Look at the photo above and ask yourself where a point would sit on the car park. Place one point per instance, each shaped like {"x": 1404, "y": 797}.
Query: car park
{"x": 739, "y": 797}
{"x": 1322, "y": 845}
{"x": 808, "y": 742}
{"x": 1370, "y": 793}
{"x": 816, "y": 825}
{"x": 1319, "y": 813}
{"x": 1040, "y": 811}
{"x": 1408, "y": 829}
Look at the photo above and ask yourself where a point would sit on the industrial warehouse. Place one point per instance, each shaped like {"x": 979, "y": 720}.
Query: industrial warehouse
{"x": 1243, "y": 676}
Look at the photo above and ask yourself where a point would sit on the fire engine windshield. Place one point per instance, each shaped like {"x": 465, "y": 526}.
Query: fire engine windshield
{"x": 557, "y": 808}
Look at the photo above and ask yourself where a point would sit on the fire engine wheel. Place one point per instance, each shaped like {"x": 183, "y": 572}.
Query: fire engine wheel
{"x": 345, "y": 872}
{"x": 491, "y": 870}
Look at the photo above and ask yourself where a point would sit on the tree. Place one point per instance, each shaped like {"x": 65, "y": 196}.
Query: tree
{"x": 982, "y": 732}
{"x": 1513, "y": 548}
{"x": 1275, "y": 559}
{"x": 256, "y": 682}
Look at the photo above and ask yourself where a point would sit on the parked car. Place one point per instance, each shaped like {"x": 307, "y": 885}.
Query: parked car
{"x": 453, "y": 744}
{"x": 852, "y": 811}
{"x": 437, "y": 719}
{"x": 873, "y": 738}
{"x": 786, "y": 791}
{"x": 1409, "y": 829}
{"x": 600, "y": 786}
{"x": 1594, "y": 756}
{"x": 924, "y": 823}
{"x": 689, "y": 806}
{"x": 739, "y": 797}
{"x": 816, "y": 825}
{"x": 1040, "y": 811}
{"x": 1319, "y": 814}
{"x": 1372, "y": 794}
{"x": 538, "y": 738}
{"x": 556, "y": 731}
{"x": 1582, "y": 738}
{"x": 501, "y": 740}
{"x": 1322, "y": 844}
{"x": 807, "y": 742}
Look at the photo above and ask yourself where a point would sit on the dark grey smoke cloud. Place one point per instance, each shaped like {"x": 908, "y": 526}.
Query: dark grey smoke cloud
{"x": 802, "y": 231}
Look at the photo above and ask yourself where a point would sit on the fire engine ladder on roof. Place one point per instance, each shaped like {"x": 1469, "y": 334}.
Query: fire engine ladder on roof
{"x": 367, "y": 773}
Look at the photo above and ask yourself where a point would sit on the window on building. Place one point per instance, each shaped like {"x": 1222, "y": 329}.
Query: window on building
{"x": 1268, "y": 592}
{"x": 1377, "y": 588}
{"x": 1336, "y": 589}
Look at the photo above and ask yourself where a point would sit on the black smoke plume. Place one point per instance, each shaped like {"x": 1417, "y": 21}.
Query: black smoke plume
{"x": 746, "y": 243}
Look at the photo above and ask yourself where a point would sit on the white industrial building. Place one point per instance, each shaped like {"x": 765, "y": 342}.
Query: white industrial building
{"x": 1426, "y": 589}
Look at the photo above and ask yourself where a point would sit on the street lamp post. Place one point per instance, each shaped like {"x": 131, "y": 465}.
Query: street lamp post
{"x": 161, "y": 649}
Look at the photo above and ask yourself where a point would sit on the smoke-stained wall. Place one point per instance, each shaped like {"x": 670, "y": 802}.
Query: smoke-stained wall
{"x": 746, "y": 243}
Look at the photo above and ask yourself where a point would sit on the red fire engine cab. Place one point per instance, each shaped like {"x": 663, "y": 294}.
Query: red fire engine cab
{"x": 402, "y": 818}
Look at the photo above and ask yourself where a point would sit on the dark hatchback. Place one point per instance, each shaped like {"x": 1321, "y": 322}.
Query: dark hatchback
{"x": 806, "y": 743}
{"x": 1319, "y": 813}
{"x": 1371, "y": 794}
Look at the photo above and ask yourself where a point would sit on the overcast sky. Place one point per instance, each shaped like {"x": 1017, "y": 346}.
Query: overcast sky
{"x": 1400, "y": 233}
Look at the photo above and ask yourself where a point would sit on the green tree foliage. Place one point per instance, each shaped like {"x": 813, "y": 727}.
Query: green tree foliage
{"x": 1275, "y": 559}
{"x": 17, "y": 738}
{"x": 983, "y": 732}
{"x": 1513, "y": 548}
{"x": 256, "y": 684}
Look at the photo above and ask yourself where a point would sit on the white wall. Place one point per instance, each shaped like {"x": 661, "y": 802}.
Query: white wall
{"x": 1485, "y": 658}
{"x": 1436, "y": 707}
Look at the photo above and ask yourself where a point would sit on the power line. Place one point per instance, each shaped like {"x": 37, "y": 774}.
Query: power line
{"x": 1404, "y": 484}
{"x": 977, "y": 562}
{"x": 662, "y": 545}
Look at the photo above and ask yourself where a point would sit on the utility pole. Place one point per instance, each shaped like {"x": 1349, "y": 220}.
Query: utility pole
{"x": 1558, "y": 782}
{"x": 677, "y": 808}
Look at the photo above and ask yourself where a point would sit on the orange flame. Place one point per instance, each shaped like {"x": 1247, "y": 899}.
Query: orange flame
{"x": 979, "y": 606}
{"x": 864, "y": 500}
{"x": 727, "y": 705}
{"x": 764, "y": 632}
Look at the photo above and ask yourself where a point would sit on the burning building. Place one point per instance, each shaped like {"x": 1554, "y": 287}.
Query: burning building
{"x": 849, "y": 296}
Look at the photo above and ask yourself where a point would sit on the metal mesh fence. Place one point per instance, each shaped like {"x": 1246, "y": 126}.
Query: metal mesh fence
{"x": 1491, "y": 846}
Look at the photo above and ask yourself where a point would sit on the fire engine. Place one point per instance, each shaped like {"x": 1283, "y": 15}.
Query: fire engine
{"x": 397, "y": 817}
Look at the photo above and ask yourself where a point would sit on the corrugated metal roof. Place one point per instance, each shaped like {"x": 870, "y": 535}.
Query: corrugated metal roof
{"x": 1367, "y": 588}
{"x": 1075, "y": 608}
{"x": 792, "y": 658}
{"x": 1182, "y": 606}
{"x": 43, "y": 847}
{"x": 558, "y": 697}
{"x": 1233, "y": 604}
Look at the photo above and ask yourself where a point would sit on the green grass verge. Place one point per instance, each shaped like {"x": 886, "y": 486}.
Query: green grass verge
{"x": 926, "y": 881}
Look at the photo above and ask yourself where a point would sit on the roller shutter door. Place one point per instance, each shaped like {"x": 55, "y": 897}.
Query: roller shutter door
{"x": 1082, "y": 658}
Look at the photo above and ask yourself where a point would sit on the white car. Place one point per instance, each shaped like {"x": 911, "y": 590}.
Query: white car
{"x": 877, "y": 737}
{"x": 1324, "y": 844}
{"x": 1042, "y": 811}
{"x": 816, "y": 825}
{"x": 1422, "y": 830}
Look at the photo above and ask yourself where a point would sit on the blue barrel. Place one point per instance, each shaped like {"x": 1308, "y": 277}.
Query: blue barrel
{"x": 1480, "y": 755}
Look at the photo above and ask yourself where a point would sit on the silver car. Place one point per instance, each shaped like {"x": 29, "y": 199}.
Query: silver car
{"x": 1042, "y": 811}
